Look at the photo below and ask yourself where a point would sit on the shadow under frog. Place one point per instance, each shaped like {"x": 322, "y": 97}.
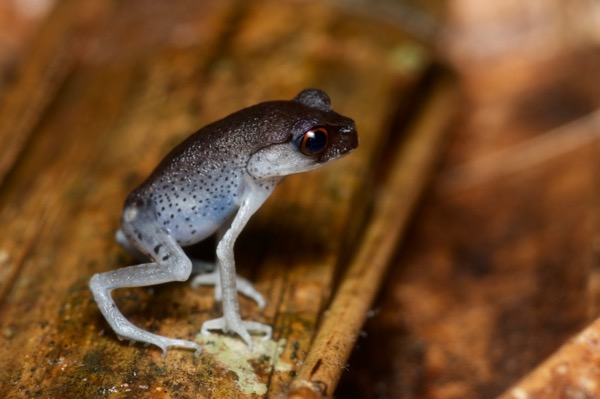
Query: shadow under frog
{"x": 211, "y": 184}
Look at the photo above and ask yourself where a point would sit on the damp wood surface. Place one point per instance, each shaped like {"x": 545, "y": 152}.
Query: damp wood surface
{"x": 493, "y": 291}
{"x": 106, "y": 89}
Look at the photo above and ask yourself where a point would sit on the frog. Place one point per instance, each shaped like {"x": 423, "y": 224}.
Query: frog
{"x": 210, "y": 185}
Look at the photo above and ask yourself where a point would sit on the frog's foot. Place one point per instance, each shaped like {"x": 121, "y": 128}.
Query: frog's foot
{"x": 125, "y": 330}
{"x": 237, "y": 326}
{"x": 244, "y": 287}
{"x": 164, "y": 343}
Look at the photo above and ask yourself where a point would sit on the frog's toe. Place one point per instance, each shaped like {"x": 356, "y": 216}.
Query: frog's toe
{"x": 260, "y": 328}
{"x": 168, "y": 343}
{"x": 237, "y": 326}
{"x": 246, "y": 288}
{"x": 214, "y": 324}
{"x": 232, "y": 325}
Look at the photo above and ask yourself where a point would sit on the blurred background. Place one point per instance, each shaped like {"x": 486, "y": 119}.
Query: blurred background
{"x": 500, "y": 265}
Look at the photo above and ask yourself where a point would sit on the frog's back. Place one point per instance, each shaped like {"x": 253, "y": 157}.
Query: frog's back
{"x": 197, "y": 186}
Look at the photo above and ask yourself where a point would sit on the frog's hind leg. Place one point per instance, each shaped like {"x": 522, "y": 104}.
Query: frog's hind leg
{"x": 169, "y": 264}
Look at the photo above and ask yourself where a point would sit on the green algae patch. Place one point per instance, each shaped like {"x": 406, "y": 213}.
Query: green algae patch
{"x": 251, "y": 367}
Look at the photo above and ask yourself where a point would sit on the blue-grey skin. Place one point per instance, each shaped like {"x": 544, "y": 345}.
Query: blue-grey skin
{"x": 212, "y": 183}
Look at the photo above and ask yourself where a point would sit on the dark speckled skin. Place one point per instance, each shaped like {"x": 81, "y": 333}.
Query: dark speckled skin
{"x": 197, "y": 186}
{"x": 214, "y": 182}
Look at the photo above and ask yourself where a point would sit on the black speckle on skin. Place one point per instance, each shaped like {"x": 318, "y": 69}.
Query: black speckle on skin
{"x": 207, "y": 169}
{"x": 157, "y": 248}
{"x": 166, "y": 257}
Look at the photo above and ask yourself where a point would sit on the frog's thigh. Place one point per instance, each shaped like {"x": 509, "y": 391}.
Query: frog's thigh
{"x": 172, "y": 264}
{"x": 168, "y": 261}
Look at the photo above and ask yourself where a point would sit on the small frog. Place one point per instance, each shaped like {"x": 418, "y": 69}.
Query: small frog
{"x": 212, "y": 183}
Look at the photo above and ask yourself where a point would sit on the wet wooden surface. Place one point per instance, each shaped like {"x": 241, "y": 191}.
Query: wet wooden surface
{"x": 494, "y": 290}
{"x": 129, "y": 81}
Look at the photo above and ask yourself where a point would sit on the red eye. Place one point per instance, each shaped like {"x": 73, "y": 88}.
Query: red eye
{"x": 314, "y": 141}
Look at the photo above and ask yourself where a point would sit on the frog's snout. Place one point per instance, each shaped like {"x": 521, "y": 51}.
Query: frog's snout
{"x": 351, "y": 129}
{"x": 350, "y": 137}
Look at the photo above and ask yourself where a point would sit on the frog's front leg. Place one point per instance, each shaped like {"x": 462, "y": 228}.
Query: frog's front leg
{"x": 231, "y": 320}
{"x": 170, "y": 264}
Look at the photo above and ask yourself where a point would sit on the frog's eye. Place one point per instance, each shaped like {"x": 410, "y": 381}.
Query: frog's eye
{"x": 314, "y": 141}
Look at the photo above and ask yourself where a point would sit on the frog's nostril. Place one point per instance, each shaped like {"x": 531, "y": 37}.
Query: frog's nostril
{"x": 348, "y": 129}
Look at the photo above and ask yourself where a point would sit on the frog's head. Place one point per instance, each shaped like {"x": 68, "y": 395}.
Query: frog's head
{"x": 326, "y": 135}
{"x": 315, "y": 135}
